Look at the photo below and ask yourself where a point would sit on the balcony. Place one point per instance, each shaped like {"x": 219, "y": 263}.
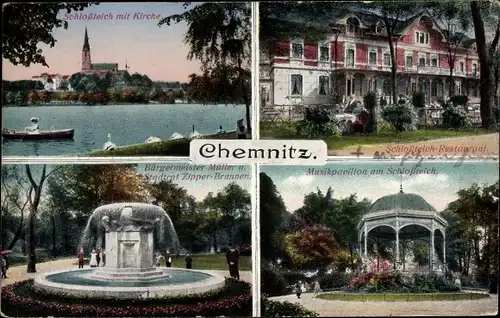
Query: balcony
{"x": 473, "y": 74}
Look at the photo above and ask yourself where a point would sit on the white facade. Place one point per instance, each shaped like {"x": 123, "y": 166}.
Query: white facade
{"x": 52, "y": 82}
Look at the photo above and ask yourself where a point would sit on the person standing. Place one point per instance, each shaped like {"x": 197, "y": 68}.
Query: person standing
{"x": 93, "y": 259}
{"x": 317, "y": 287}
{"x": 168, "y": 258}
{"x": 98, "y": 257}
{"x": 298, "y": 289}
{"x": 3, "y": 266}
{"x": 189, "y": 261}
{"x": 80, "y": 257}
{"x": 241, "y": 130}
{"x": 103, "y": 257}
{"x": 232, "y": 258}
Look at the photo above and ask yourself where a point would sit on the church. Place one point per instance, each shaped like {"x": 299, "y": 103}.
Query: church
{"x": 95, "y": 68}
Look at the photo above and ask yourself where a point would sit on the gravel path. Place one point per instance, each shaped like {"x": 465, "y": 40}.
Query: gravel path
{"x": 18, "y": 273}
{"x": 335, "y": 308}
{"x": 489, "y": 142}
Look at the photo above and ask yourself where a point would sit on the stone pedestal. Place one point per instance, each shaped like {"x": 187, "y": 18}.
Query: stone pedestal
{"x": 129, "y": 250}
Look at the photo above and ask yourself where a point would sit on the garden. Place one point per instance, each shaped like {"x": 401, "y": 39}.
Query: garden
{"x": 22, "y": 299}
{"x": 375, "y": 122}
{"x": 318, "y": 244}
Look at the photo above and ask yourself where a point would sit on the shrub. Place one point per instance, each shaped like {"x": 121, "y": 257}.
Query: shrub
{"x": 370, "y": 101}
{"x": 270, "y": 308}
{"x": 455, "y": 117}
{"x": 14, "y": 304}
{"x": 418, "y": 100}
{"x": 459, "y": 100}
{"x": 431, "y": 283}
{"x": 377, "y": 282}
{"x": 383, "y": 102}
{"x": 402, "y": 117}
{"x": 334, "y": 280}
{"x": 317, "y": 123}
{"x": 272, "y": 282}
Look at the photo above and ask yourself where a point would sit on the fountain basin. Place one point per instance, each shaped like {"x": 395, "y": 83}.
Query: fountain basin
{"x": 176, "y": 282}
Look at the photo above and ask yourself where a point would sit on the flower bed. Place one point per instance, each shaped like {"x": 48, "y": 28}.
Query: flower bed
{"x": 271, "y": 308}
{"x": 21, "y": 299}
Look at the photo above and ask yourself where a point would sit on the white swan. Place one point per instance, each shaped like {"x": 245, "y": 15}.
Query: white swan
{"x": 176, "y": 135}
{"x": 108, "y": 145}
{"x": 152, "y": 139}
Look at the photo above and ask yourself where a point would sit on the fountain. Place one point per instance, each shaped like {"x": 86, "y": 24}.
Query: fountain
{"x": 129, "y": 270}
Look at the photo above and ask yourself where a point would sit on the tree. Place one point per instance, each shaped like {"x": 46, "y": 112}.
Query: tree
{"x": 83, "y": 188}
{"x": 212, "y": 216}
{"x": 64, "y": 85}
{"x": 316, "y": 207}
{"x": 33, "y": 97}
{"x": 34, "y": 198}
{"x": 485, "y": 60}
{"x": 172, "y": 198}
{"x": 31, "y": 24}
{"x": 15, "y": 196}
{"x": 219, "y": 35}
{"x": 455, "y": 16}
{"x": 234, "y": 203}
{"x": 273, "y": 216}
{"x": 476, "y": 211}
{"x": 311, "y": 248}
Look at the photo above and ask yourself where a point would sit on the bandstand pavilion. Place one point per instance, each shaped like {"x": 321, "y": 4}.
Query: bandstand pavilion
{"x": 403, "y": 217}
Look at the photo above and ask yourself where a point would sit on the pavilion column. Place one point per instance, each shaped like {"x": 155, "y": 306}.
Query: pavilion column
{"x": 397, "y": 242}
{"x": 444, "y": 248}
{"x": 365, "y": 249}
{"x": 432, "y": 247}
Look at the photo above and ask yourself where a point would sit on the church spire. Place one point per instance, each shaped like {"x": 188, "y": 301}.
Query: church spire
{"x": 86, "y": 45}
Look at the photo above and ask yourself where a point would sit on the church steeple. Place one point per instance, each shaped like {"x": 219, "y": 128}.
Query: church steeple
{"x": 86, "y": 45}
{"x": 86, "y": 60}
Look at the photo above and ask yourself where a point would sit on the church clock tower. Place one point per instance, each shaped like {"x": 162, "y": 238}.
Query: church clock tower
{"x": 86, "y": 61}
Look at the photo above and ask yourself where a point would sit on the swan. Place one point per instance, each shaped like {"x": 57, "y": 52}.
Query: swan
{"x": 108, "y": 145}
{"x": 176, "y": 135}
{"x": 152, "y": 139}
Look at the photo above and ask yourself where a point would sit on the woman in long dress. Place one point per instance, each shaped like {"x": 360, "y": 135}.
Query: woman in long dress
{"x": 93, "y": 259}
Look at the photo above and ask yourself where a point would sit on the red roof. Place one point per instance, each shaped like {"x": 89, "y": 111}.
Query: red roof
{"x": 50, "y": 76}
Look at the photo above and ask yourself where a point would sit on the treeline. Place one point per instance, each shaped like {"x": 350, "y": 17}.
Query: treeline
{"x": 72, "y": 193}
{"x": 218, "y": 86}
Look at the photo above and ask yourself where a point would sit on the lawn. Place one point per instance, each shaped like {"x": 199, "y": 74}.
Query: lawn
{"x": 212, "y": 262}
{"x": 178, "y": 147}
{"x": 401, "y": 297}
{"x": 269, "y": 131}
{"x": 207, "y": 261}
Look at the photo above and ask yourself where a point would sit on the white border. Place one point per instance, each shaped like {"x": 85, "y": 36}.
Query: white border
{"x": 255, "y": 168}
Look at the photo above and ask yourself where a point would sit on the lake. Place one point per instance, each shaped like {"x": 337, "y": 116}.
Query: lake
{"x": 127, "y": 124}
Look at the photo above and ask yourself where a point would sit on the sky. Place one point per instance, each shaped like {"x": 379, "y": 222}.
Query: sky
{"x": 202, "y": 181}
{"x": 438, "y": 189}
{"x": 158, "y": 52}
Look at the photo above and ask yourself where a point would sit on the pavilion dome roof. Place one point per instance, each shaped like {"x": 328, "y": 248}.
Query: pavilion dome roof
{"x": 401, "y": 201}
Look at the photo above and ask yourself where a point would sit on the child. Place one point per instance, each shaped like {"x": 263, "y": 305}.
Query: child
{"x": 298, "y": 289}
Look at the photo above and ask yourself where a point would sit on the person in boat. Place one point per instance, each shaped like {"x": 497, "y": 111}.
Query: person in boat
{"x": 34, "y": 125}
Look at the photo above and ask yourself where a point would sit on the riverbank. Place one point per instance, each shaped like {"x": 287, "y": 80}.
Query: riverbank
{"x": 177, "y": 147}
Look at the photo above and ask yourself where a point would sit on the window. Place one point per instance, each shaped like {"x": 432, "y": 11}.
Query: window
{"x": 324, "y": 85}
{"x": 352, "y": 25}
{"x": 421, "y": 61}
{"x": 422, "y": 37}
{"x": 462, "y": 66}
{"x": 474, "y": 68}
{"x": 296, "y": 84}
{"x": 409, "y": 61}
{"x": 372, "y": 58}
{"x": 350, "y": 57}
{"x": 387, "y": 59}
{"x": 324, "y": 53}
{"x": 297, "y": 50}
{"x": 434, "y": 62}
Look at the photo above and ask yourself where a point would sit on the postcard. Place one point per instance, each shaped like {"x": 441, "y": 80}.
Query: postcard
{"x": 122, "y": 79}
{"x": 379, "y": 239}
{"x": 90, "y": 240}
{"x": 379, "y": 76}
